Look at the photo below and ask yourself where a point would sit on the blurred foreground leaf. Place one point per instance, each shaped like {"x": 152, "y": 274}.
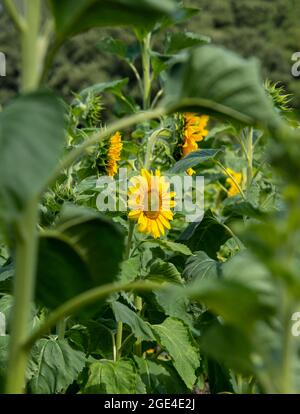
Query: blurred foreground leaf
{"x": 31, "y": 142}
{"x": 82, "y": 251}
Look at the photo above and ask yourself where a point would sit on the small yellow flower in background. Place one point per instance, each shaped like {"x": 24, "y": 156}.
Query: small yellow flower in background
{"x": 233, "y": 188}
{"x": 190, "y": 171}
{"x": 194, "y": 131}
{"x": 150, "y": 351}
{"x": 114, "y": 154}
{"x": 151, "y": 202}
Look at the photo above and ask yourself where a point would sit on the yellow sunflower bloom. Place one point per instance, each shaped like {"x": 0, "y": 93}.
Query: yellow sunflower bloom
{"x": 114, "y": 154}
{"x": 151, "y": 202}
{"x": 194, "y": 131}
{"x": 233, "y": 188}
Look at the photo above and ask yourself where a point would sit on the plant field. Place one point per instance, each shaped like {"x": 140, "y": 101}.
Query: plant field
{"x": 149, "y": 241}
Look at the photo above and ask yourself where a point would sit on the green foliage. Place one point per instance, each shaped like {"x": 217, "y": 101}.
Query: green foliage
{"x": 207, "y": 306}
{"x": 138, "y": 327}
{"x": 54, "y": 366}
{"x": 207, "y": 235}
{"x": 215, "y": 81}
{"x": 31, "y": 134}
{"x": 82, "y": 251}
{"x": 179, "y": 41}
{"x": 175, "y": 337}
{"x": 195, "y": 159}
{"x": 71, "y": 20}
{"x": 107, "y": 377}
{"x": 159, "y": 377}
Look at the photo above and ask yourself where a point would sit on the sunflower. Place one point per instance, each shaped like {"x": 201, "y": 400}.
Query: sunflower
{"x": 114, "y": 154}
{"x": 238, "y": 178}
{"x": 150, "y": 202}
{"x": 194, "y": 131}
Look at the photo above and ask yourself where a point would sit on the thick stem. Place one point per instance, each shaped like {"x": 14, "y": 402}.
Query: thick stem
{"x": 31, "y": 64}
{"x": 138, "y": 301}
{"x": 119, "y": 339}
{"x": 146, "y": 62}
{"x": 26, "y": 253}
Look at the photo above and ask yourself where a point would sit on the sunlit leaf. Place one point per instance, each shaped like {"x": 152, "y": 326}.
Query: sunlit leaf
{"x": 108, "y": 377}
{"x": 140, "y": 328}
{"x": 55, "y": 365}
{"x": 175, "y": 337}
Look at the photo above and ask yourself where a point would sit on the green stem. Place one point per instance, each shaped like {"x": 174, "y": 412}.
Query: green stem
{"x": 249, "y": 148}
{"x": 129, "y": 239}
{"x": 138, "y": 301}
{"x": 119, "y": 339}
{"x": 114, "y": 347}
{"x": 26, "y": 254}
{"x": 138, "y": 78}
{"x": 286, "y": 387}
{"x": 84, "y": 299}
{"x": 146, "y": 62}
{"x": 17, "y": 19}
{"x": 31, "y": 63}
{"x": 239, "y": 244}
{"x": 127, "y": 256}
{"x": 156, "y": 98}
{"x": 61, "y": 329}
{"x": 233, "y": 179}
{"x": 150, "y": 148}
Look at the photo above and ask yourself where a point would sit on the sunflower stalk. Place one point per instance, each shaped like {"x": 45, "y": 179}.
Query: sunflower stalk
{"x": 146, "y": 62}
{"x": 249, "y": 148}
{"x": 26, "y": 227}
{"x": 119, "y": 335}
{"x": 26, "y": 260}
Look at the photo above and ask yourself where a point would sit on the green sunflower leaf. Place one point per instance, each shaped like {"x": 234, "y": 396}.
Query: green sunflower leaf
{"x": 72, "y": 17}
{"x": 108, "y": 377}
{"x": 54, "y": 366}
{"x": 82, "y": 251}
{"x": 213, "y": 80}
{"x": 175, "y": 337}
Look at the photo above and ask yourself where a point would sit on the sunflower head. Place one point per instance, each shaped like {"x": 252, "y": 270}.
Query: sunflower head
{"x": 194, "y": 131}
{"x": 236, "y": 178}
{"x": 151, "y": 201}
{"x": 114, "y": 154}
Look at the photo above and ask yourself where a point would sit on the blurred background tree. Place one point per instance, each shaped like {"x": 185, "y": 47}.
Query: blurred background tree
{"x": 266, "y": 29}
